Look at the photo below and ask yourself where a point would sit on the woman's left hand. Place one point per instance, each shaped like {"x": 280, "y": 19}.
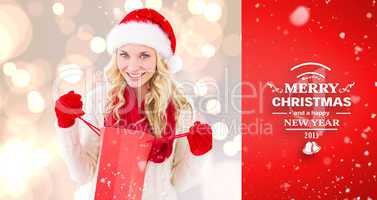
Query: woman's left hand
{"x": 200, "y": 138}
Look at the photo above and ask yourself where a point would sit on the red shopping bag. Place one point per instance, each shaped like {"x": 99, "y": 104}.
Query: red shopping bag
{"x": 122, "y": 163}
{"x": 124, "y": 155}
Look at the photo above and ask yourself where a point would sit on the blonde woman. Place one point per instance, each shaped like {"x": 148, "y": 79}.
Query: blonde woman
{"x": 140, "y": 94}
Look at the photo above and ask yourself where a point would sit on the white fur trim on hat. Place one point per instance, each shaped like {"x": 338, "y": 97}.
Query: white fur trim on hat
{"x": 139, "y": 33}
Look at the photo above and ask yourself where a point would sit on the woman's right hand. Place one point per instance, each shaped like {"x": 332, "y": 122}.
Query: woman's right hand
{"x": 67, "y": 108}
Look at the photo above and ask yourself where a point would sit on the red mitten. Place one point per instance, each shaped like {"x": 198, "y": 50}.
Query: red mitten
{"x": 162, "y": 148}
{"x": 200, "y": 138}
{"x": 67, "y": 108}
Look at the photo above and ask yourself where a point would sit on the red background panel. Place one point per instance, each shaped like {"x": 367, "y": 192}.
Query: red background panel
{"x": 274, "y": 166}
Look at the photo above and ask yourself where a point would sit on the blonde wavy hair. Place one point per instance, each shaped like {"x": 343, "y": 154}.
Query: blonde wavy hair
{"x": 162, "y": 88}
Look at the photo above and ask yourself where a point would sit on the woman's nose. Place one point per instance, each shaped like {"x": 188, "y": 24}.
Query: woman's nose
{"x": 134, "y": 64}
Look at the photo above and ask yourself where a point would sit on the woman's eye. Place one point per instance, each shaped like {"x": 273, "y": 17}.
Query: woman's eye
{"x": 144, "y": 56}
{"x": 124, "y": 55}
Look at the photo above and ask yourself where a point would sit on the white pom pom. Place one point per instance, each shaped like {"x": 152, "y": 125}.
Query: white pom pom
{"x": 175, "y": 64}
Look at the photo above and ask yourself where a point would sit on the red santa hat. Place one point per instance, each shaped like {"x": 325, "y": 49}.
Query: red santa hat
{"x": 147, "y": 27}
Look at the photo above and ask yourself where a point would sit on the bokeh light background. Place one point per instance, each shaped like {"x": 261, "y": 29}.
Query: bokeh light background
{"x": 50, "y": 47}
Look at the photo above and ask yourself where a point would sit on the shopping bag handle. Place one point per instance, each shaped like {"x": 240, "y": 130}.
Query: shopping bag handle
{"x": 97, "y": 131}
{"x": 91, "y": 126}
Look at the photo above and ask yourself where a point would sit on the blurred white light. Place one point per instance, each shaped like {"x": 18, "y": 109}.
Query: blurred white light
{"x": 212, "y": 12}
{"x": 213, "y": 106}
{"x": 154, "y": 4}
{"x": 342, "y": 35}
{"x": 231, "y": 44}
{"x": 208, "y": 50}
{"x": 21, "y": 78}
{"x": 15, "y": 31}
{"x": 36, "y": 103}
{"x": 300, "y": 16}
{"x": 220, "y": 130}
{"x": 70, "y": 73}
{"x": 98, "y": 45}
{"x": 117, "y": 13}
{"x": 196, "y": 7}
{"x": 237, "y": 141}
{"x": 9, "y": 68}
{"x": 130, "y": 5}
{"x": 6, "y": 43}
{"x": 58, "y": 8}
{"x": 230, "y": 148}
{"x": 369, "y": 15}
{"x": 19, "y": 161}
{"x": 200, "y": 88}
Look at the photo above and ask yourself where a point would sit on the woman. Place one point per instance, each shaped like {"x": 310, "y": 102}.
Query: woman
{"x": 140, "y": 95}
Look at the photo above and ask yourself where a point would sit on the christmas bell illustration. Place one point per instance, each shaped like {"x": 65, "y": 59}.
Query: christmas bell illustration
{"x": 311, "y": 148}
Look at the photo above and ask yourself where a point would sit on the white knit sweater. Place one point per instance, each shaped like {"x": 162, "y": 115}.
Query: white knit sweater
{"x": 80, "y": 150}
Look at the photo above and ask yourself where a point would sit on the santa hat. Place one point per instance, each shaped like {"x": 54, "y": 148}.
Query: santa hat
{"x": 147, "y": 27}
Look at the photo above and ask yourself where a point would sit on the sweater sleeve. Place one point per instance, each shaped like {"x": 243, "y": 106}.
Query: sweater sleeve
{"x": 187, "y": 168}
{"x": 79, "y": 146}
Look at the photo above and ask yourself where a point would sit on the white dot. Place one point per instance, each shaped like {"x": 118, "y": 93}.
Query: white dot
{"x": 220, "y": 130}
{"x": 58, "y": 8}
{"x": 230, "y": 149}
{"x": 347, "y": 190}
{"x": 130, "y": 5}
{"x": 117, "y": 12}
{"x": 300, "y": 16}
{"x": 21, "y": 78}
{"x": 196, "y": 7}
{"x": 213, "y": 106}
{"x": 98, "y": 45}
{"x": 9, "y": 68}
{"x": 357, "y": 49}
{"x": 369, "y": 15}
{"x": 366, "y": 153}
{"x": 208, "y": 50}
{"x": 342, "y": 35}
{"x": 36, "y": 103}
{"x": 347, "y": 140}
{"x": 373, "y": 115}
{"x": 212, "y": 12}
{"x": 154, "y": 4}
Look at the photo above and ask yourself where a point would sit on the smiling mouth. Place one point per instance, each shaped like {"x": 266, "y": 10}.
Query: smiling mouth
{"x": 135, "y": 76}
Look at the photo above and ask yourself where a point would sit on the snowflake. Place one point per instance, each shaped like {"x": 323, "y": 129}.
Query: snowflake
{"x": 367, "y": 129}
{"x": 347, "y": 140}
{"x": 342, "y": 35}
{"x": 369, "y": 15}
{"x": 373, "y": 115}
{"x": 357, "y": 49}
{"x": 285, "y": 186}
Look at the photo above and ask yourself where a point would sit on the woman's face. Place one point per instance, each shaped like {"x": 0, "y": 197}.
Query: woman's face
{"x": 137, "y": 63}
